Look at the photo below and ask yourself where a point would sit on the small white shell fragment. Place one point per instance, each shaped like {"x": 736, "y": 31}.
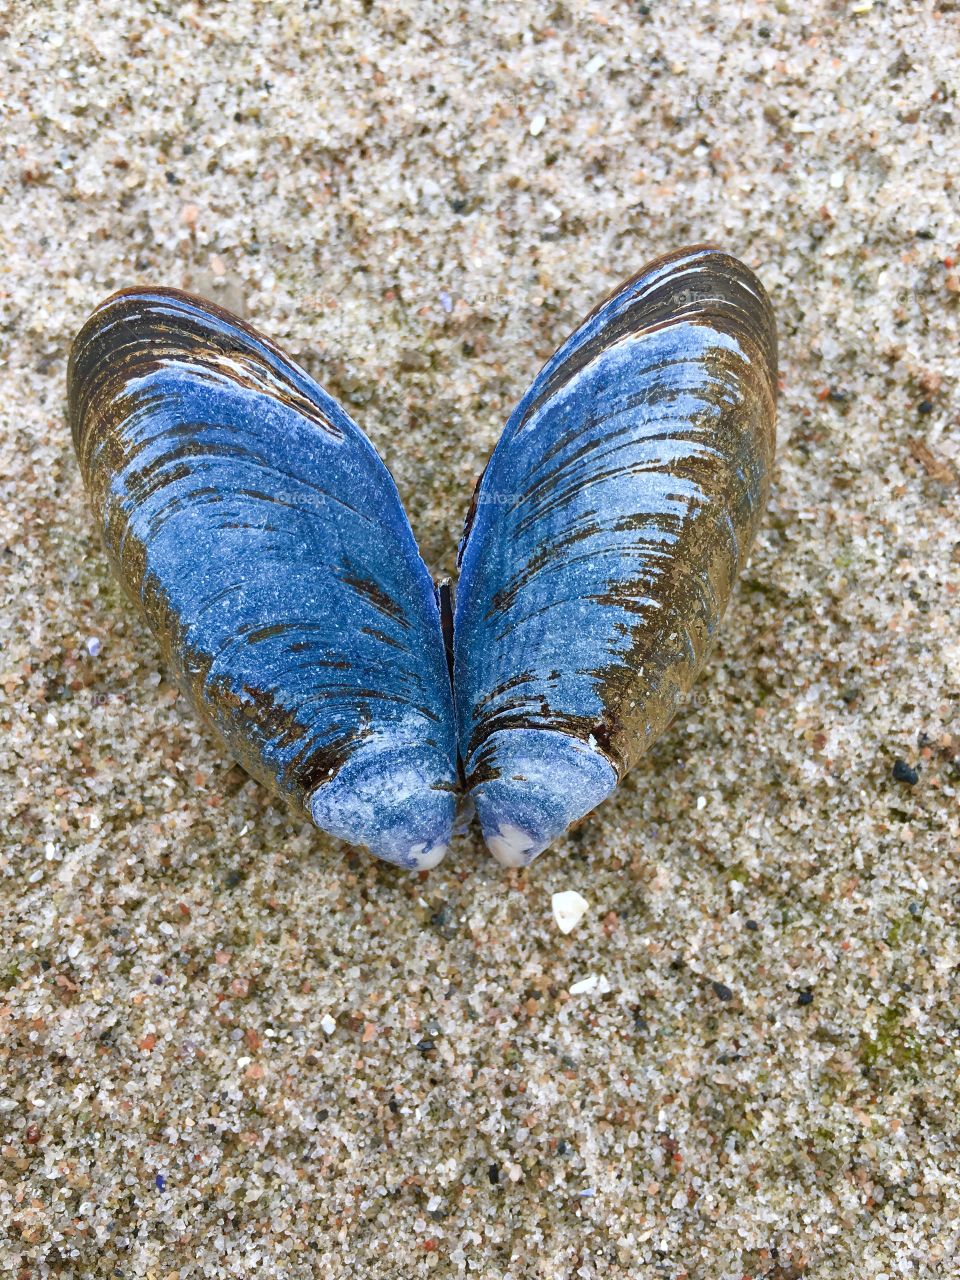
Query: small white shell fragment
{"x": 328, "y": 1024}
{"x": 537, "y": 124}
{"x": 595, "y": 63}
{"x": 585, "y": 985}
{"x": 569, "y": 908}
{"x": 592, "y": 983}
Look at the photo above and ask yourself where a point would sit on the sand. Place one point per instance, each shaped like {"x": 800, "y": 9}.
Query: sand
{"x": 234, "y": 1047}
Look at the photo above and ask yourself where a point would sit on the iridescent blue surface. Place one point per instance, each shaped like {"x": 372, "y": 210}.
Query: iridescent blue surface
{"x": 609, "y": 525}
{"x": 292, "y": 597}
{"x": 266, "y": 545}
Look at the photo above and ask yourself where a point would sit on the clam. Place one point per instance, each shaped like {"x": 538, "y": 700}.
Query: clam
{"x": 265, "y": 543}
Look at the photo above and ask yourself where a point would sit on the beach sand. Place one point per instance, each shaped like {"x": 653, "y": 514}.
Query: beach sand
{"x": 233, "y": 1047}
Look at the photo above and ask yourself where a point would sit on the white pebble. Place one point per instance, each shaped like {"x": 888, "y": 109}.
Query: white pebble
{"x": 329, "y": 1024}
{"x": 537, "y": 124}
{"x": 569, "y": 908}
{"x": 94, "y": 647}
{"x": 595, "y": 63}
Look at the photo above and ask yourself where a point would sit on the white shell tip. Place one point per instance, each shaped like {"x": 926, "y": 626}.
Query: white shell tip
{"x": 431, "y": 858}
{"x": 510, "y": 846}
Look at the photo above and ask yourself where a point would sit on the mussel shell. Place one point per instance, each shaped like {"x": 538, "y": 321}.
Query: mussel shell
{"x": 607, "y": 532}
{"x": 264, "y": 541}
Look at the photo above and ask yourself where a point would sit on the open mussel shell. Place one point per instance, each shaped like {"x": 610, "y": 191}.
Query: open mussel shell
{"x": 607, "y": 532}
{"x": 264, "y": 541}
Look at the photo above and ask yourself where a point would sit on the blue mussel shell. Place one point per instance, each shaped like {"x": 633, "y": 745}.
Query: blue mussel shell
{"x": 265, "y": 543}
{"x": 608, "y": 529}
